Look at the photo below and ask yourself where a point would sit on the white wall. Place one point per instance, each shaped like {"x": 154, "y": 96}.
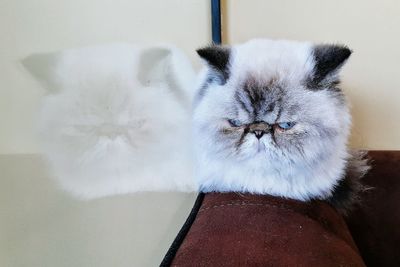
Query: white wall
{"x": 369, "y": 27}
{"x": 28, "y": 26}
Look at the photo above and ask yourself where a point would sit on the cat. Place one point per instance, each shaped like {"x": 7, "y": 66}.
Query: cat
{"x": 270, "y": 118}
{"x": 115, "y": 118}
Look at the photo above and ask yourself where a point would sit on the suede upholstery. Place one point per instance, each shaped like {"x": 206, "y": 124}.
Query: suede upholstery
{"x": 251, "y": 230}
{"x": 231, "y": 229}
{"x": 375, "y": 224}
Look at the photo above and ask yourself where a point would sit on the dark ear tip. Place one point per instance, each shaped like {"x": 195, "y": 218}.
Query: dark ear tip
{"x": 346, "y": 51}
{"x": 331, "y": 55}
{"x": 217, "y": 58}
{"x": 206, "y": 51}
{"x": 334, "y": 49}
{"x": 329, "y": 58}
{"x": 342, "y": 52}
{"x": 202, "y": 51}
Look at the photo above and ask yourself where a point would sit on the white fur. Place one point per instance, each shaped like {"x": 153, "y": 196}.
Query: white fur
{"x": 269, "y": 172}
{"x": 116, "y": 119}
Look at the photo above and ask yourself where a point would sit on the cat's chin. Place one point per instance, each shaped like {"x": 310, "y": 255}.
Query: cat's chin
{"x": 254, "y": 148}
{"x": 260, "y": 174}
{"x": 257, "y": 154}
{"x": 260, "y": 148}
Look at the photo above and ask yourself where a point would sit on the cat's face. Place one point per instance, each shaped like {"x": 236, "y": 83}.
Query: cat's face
{"x": 271, "y": 109}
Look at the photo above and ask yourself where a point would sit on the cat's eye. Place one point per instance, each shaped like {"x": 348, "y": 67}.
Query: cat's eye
{"x": 234, "y": 123}
{"x": 286, "y": 125}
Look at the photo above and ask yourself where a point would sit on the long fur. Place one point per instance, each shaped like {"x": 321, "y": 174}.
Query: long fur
{"x": 116, "y": 120}
{"x": 272, "y": 82}
{"x": 346, "y": 193}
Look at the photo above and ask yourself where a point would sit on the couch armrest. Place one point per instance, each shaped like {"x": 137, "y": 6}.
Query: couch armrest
{"x": 231, "y": 229}
{"x": 375, "y": 223}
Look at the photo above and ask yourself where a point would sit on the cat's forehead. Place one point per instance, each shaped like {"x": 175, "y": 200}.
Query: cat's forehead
{"x": 264, "y": 100}
{"x": 271, "y": 61}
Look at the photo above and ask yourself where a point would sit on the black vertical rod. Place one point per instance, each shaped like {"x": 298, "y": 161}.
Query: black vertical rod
{"x": 216, "y": 21}
{"x": 173, "y": 249}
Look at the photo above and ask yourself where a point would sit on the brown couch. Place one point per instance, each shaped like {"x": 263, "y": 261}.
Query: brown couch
{"x": 375, "y": 224}
{"x": 252, "y": 230}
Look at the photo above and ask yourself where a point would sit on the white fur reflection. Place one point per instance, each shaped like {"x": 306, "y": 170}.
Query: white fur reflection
{"x": 116, "y": 118}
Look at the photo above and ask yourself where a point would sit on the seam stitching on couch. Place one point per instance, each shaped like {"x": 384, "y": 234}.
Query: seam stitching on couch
{"x": 246, "y": 204}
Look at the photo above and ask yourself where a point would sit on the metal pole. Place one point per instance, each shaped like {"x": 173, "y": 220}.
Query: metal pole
{"x": 216, "y": 21}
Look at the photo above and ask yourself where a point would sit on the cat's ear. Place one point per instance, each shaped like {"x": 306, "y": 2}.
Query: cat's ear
{"x": 153, "y": 65}
{"x": 217, "y": 58}
{"x": 168, "y": 67}
{"x": 43, "y": 68}
{"x": 328, "y": 61}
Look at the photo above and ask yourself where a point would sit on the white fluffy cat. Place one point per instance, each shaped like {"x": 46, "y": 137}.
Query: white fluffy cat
{"x": 269, "y": 118}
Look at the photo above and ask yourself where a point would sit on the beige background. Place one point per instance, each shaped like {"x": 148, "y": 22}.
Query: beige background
{"x": 34, "y": 26}
{"x": 370, "y": 28}
{"x": 42, "y": 226}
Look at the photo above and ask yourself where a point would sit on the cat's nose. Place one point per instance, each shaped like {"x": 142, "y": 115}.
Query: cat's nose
{"x": 258, "y": 133}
